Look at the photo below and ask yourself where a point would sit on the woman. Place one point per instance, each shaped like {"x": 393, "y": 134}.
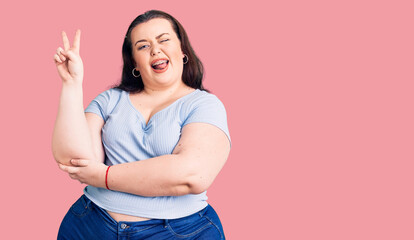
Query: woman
{"x": 149, "y": 148}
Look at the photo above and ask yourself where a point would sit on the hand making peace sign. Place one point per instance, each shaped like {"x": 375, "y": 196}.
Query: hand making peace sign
{"x": 68, "y": 61}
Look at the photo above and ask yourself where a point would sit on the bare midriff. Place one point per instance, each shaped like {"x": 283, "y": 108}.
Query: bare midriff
{"x": 126, "y": 218}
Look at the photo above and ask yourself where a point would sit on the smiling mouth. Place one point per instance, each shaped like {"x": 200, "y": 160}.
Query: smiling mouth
{"x": 160, "y": 65}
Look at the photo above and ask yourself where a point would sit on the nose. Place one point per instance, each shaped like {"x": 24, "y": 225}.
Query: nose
{"x": 155, "y": 50}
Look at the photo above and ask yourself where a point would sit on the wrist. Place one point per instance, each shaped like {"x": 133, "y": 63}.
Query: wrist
{"x": 106, "y": 176}
{"x": 76, "y": 84}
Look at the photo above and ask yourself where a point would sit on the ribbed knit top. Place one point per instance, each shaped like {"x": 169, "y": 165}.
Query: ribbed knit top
{"x": 126, "y": 137}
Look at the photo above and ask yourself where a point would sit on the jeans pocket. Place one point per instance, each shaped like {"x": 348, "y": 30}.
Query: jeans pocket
{"x": 81, "y": 206}
{"x": 185, "y": 228}
{"x": 211, "y": 215}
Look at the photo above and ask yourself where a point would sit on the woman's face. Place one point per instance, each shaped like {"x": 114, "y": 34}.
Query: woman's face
{"x": 157, "y": 52}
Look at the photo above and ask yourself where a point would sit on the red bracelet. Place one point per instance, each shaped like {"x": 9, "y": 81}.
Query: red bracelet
{"x": 106, "y": 178}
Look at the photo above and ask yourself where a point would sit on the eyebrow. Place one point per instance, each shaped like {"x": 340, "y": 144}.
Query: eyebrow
{"x": 157, "y": 37}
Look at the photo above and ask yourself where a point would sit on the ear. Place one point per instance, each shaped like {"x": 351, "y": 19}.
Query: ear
{"x": 135, "y": 65}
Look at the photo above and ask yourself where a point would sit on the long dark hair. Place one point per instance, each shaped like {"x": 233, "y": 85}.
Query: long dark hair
{"x": 192, "y": 71}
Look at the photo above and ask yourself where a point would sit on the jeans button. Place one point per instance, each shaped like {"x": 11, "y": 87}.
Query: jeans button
{"x": 123, "y": 225}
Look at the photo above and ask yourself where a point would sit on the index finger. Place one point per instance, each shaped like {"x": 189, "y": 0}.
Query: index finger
{"x": 76, "y": 41}
{"x": 66, "y": 44}
{"x": 79, "y": 162}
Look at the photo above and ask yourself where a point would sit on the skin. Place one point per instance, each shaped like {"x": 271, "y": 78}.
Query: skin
{"x": 77, "y": 145}
{"x": 153, "y": 40}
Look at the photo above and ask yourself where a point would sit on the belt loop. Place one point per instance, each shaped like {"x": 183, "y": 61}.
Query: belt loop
{"x": 165, "y": 223}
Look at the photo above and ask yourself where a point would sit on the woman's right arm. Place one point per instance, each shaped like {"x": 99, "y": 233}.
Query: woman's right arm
{"x": 76, "y": 134}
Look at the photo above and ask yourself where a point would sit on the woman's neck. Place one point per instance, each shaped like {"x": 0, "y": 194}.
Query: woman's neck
{"x": 161, "y": 92}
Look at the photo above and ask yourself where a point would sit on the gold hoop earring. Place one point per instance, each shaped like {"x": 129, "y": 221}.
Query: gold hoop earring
{"x": 186, "y": 59}
{"x": 133, "y": 73}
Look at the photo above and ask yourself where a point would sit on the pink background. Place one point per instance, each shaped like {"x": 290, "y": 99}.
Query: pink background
{"x": 319, "y": 100}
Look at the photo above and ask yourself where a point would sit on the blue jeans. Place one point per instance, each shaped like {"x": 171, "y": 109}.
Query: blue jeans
{"x": 85, "y": 220}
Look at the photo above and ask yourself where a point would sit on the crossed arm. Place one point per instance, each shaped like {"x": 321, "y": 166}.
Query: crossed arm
{"x": 195, "y": 162}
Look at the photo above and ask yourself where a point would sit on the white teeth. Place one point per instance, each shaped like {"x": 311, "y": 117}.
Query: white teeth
{"x": 159, "y": 62}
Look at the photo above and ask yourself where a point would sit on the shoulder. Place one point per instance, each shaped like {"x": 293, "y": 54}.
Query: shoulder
{"x": 204, "y": 107}
{"x": 105, "y": 102}
{"x": 202, "y": 98}
{"x": 113, "y": 92}
{"x": 110, "y": 95}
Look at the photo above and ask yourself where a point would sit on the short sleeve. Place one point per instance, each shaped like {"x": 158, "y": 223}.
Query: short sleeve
{"x": 208, "y": 109}
{"x": 99, "y": 105}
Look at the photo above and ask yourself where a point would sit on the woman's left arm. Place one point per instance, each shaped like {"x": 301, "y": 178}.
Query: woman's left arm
{"x": 192, "y": 167}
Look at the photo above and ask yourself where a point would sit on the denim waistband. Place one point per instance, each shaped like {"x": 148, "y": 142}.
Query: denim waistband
{"x": 125, "y": 224}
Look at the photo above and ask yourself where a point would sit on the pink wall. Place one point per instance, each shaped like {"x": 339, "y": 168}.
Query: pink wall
{"x": 319, "y": 97}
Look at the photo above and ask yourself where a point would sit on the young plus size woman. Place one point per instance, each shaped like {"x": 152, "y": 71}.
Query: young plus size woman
{"x": 149, "y": 148}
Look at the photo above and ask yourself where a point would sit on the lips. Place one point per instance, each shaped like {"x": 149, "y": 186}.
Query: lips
{"x": 159, "y": 65}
